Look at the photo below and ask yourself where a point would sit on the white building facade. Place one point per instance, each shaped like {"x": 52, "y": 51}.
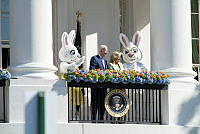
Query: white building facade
{"x": 35, "y": 28}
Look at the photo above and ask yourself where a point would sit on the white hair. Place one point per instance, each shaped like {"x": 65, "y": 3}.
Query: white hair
{"x": 102, "y": 47}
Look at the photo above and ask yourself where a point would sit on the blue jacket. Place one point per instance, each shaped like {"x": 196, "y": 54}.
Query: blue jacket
{"x": 96, "y": 63}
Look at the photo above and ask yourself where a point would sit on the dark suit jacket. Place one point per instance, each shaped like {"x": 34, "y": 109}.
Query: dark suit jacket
{"x": 96, "y": 63}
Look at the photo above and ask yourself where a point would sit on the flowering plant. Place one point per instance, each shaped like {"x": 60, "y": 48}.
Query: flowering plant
{"x": 4, "y": 74}
{"x": 117, "y": 76}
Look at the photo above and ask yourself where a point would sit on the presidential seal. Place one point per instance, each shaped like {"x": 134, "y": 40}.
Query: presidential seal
{"x": 117, "y": 103}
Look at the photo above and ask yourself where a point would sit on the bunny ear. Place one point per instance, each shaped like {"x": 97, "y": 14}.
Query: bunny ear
{"x": 65, "y": 39}
{"x": 136, "y": 38}
{"x": 124, "y": 40}
{"x": 72, "y": 36}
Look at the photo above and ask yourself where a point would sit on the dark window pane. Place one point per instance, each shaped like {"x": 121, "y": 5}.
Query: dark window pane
{"x": 5, "y": 42}
{"x": 5, "y": 57}
{"x": 5, "y": 28}
{"x": 194, "y": 6}
{"x": 195, "y": 25}
{"x": 4, "y": 5}
{"x": 4, "y": 14}
{"x": 195, "y": 51}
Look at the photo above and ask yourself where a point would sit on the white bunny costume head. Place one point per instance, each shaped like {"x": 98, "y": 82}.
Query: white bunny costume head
{"x": 68, "y": 53}
{"x": 131, "y": 53}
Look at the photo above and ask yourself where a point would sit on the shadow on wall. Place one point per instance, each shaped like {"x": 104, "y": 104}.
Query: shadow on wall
{"x": 190, "y": 110}
{"x": 31, "y": 112}
{"x": 141, "y": 10}
{"x": 60, "y": 88}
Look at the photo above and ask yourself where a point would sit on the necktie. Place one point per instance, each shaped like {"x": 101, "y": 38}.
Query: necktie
{"x": 103, "y": 62}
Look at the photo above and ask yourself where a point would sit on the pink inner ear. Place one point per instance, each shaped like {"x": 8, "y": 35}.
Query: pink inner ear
{"x": 73, "y": 41}
{"x": 66, "y": 40}
{"x": 136, "y": 39}
{"x": 123, "y": 39}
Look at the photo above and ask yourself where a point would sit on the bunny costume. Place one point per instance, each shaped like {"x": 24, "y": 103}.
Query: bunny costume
{"x": 68, "y": 53}
{"x": 131, "y": 53}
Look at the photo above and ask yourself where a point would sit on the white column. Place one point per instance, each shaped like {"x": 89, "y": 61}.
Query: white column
{"x": 171, "y": 52}
{"x": 171, "y": 48}
{"x": 31, "y": 39}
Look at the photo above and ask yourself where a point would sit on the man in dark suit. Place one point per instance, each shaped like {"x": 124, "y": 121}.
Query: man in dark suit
{"x": 98, "y": 95}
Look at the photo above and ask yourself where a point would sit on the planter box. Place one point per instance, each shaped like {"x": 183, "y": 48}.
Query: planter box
{"x": 116, "y": 85}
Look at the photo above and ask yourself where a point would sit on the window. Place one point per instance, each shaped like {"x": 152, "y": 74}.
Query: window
{"x": 195, "y": 31}
{"x": 4, "y": 34}
{"x": 123, "y": 13}
{"x": 124, "y": 17}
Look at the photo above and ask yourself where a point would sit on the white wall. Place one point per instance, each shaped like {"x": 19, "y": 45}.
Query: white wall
{"x": 141, "y": 21}
{"x": 184, "y": 103}
{"x": 18, "y": 88}
{"x": 102, "y": 18}
{"x": 107, "y": 129}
